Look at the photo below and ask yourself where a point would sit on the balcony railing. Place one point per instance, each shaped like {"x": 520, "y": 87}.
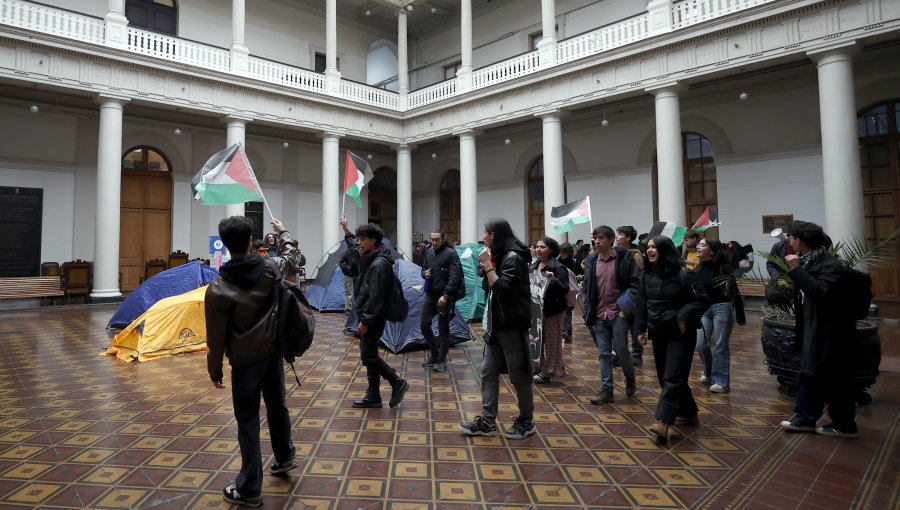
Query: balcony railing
{"x": 72, "y": 25}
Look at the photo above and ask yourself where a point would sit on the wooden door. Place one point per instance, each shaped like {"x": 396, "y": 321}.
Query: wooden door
{"x": 145, "y": 230}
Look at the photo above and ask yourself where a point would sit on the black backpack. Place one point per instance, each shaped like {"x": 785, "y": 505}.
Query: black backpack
{"x": 855, "y": 292}
{"x": 296, "y": 325}
{"x": 397, "y": 306}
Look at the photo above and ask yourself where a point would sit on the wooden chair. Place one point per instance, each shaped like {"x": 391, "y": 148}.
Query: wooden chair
{"x": 52, "y": 269}
{"x": 177, "y": 258}
{"x": 153, "y": 267}
{"x": 76, "y": 279}
{"x": 202, "y": 261}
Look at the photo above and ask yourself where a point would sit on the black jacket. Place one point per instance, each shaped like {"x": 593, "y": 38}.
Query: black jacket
{"x": 664, "y": 299}
{"x": 374, "y": 291}
{"x": 718, "y": 290}
{"x": 558, "y": 288}
{"x": 239, "y": 305}
{"x": 446, "y": 272}
{"x": 511, "y": 293}
{"x": 350, "y": 263}
{"x": 627, "y": 277}
{"x": 827, "y": 332}
{"x": 779, "y": 250}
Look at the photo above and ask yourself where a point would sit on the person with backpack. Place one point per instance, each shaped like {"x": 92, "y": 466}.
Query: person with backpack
{"x": 377, "y": 283}
{"x": 610, "y": 274}
{"x": 350, "y": 266}
{"x": 444, "y": 284}
{"x": 551, "y": 366}
{"x": 507, "y": 317}
{"x": 827, "y": 332}
{"x": 241, "y": 324}
{"x": 625, "y": 237}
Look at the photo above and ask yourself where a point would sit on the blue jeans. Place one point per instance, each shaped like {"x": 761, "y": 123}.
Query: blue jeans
{"x": 612, "y": 334}
{"x": 717, "y": 322}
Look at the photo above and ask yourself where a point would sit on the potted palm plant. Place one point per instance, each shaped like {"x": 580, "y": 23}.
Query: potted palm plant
{"x": 782, "y": 350}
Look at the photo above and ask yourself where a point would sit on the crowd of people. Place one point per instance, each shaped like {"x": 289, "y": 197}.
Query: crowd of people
{"x": 682, "y": 299}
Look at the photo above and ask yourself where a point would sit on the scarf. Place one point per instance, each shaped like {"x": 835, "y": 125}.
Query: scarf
{"x": 368, "y": 257}
{"x": 812, "y": 256}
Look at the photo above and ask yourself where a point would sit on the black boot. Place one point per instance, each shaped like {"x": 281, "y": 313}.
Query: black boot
{"x": 398, "y": 390}
{"x": 373, "y": 396}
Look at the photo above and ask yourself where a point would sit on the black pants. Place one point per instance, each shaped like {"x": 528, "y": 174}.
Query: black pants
{"x": 247, "y": 381}
{"x": 832, "y": 386}
{"x": 440, "y": 344}
{"x": 673, "y": 354}
{"x": 376, "y": 367}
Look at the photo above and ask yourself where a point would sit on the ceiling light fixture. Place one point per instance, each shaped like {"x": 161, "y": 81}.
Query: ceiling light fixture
{"x": 507, "y": 141}
{"x": 434, "y": 155}
{"x": 604, "y": 122}
{"x": 177, "y": 131}
{"x": 369, "y": 156}
{"x": 744, "y": 96}
{"x": 286, "y": 145}
{"x": 34, "y": 108}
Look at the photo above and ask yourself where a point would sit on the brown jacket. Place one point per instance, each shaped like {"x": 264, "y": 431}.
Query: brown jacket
{"x": 240, "y": 322}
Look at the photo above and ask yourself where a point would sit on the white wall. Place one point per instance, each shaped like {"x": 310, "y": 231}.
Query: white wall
{"x": 507, "y": 202}
{"x": 382, "y": 63}
{"x": 616, "y": 199}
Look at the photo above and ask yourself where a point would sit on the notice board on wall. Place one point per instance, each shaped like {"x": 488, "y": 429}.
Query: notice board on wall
{"x": 21, "y": 214}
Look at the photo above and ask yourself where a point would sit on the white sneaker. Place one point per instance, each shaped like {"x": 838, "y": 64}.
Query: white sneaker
{"x": 718, "y": 388}
{"x": 704, "y": 378}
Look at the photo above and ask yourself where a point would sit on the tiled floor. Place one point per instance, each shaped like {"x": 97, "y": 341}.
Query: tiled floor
{"x": 82, "y": 430}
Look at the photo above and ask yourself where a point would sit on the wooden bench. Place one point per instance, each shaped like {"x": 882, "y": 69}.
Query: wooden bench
{"x": 30, "y": 287}
{"x": 754, "y": 287}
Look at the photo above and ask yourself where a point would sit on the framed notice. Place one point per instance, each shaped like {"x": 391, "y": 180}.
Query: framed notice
{"x": 21, "y": 216}
{"x": 774, "y": 221}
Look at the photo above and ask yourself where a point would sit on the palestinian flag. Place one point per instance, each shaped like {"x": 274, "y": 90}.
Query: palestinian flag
{"x": 226, "y": 179}
{"x": 703, "y": 223}
{"x": 565, "y": 217}
{"x": 357, "y": 173}
{"x": 670, "y": 230}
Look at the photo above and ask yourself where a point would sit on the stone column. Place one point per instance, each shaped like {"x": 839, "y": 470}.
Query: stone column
{"x": 331, "y": 190}
{"x": 404, "y": 199}
{"x": 547, "y": 45}
{"x": 468, "y": 188}
{"x": 844, "y": 213}
{"x": 116, "y": 25}
{"x": 402, "y": 59}
{"x": 464, "y": 75}
{"x": 109, "y": 189}
{"x": 670, "y": 163}
{"x": 236, "y": 133}
{"x": 240, "y": 54}
{"x": 554, "y": 182}
{"x": 332, "y": 75}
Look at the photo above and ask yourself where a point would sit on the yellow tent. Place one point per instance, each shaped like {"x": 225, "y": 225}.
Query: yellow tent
{"x": 173, "y": 325}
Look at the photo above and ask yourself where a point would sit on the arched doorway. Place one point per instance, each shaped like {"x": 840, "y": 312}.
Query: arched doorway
{"x": 450, "y": 205}
{"x": 534, "y": 186}
{"x": 700, "y": 181}
{"x": 383, "y": 201}
{"x": 878, "y": 128}
{"x": 145, "y": 230}
{"x": 153, "y": 15}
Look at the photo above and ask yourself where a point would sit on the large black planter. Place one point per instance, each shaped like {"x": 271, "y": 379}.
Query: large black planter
{"x": 783, "y": 355}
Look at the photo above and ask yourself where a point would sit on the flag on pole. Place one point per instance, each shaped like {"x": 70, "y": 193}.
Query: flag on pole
{"x": 703, "y": 223}
{"x": 670, "y": 230}
{"x": 226, "y": 179}
{"x": 565, "y": 217}
{"x": 357, "y": 173}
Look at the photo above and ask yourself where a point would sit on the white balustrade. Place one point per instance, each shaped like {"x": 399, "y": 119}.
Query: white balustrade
{"x": 432, "y": 94}
{"x": 689, "y": 12}
{"x": 281, "y": 74}
{"x": 178, "y": 50}
{"x": 506, "y": 70}
{"x": 50, "y": 20}
{"x": 369, "y": 95}
{"x": 603, "y": 39}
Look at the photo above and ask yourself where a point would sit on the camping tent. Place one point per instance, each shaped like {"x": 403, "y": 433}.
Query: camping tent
{"x": 172, "y": 282}
{"x": 471, "y": 306}
{"x": 326, "y": 292}
{"x": 407, "y": 336}
{"x": 173, "y": 325}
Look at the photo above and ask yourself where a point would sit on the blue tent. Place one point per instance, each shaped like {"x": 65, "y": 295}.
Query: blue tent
{"x": 172, "y": 282}
{"x": 326, "y": 292}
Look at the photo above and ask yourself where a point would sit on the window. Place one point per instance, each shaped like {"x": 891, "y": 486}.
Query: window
{"x": 534, "y": 39}
{"x": 450, "y": 205}
{"x": 450, "y": 70}
{"x": 700, "y": 189}
{"x": 154, "y": 15}
{"x": 535, "y": 187}
{"x": 320, "y": 62}
{"x": 145, "y": 158}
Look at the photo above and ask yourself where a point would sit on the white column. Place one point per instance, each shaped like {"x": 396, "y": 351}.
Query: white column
{"x": 402, "y": 59}
{"x": 332, "y": 75}
{"x": 844, "y": 214}
{"x": 547, "y": 45}
{"x": 236, "y": 133}
{"x": 660, "y": 16}
{"x": 464, "y": 75}
{"x": 116, "y": 24}
{"x": 404, "y": 199}
{"x": 109, "y": 188}
{"x": 240, "y": 54}
{"x": 468, "y": 188}
{"x": 554, "y": 184}
{"x": 670, "y": 164}
{"x": 331, "y": 191}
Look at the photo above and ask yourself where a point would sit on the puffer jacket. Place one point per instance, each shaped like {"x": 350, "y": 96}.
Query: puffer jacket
{"x": 375, "y": 283}
{"x": 664, "y": 299}
{"x": 446, "y": 272}
{"x": 511, "y": 293}
{"x": 557, "y": 289}
{"x": 239, "y": 304}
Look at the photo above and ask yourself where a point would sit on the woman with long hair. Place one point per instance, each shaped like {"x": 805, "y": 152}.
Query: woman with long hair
{"x": 554, "y": 310}
{"x": 272, "y": 244}
{"x": 716, "y": 276}
{"x": 670, "y": 304}
{"x": 507, "y": 317}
